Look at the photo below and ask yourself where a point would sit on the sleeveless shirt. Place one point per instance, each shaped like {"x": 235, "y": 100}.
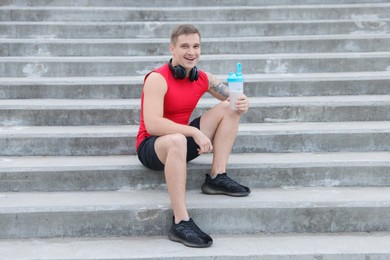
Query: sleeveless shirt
{"x": 180, "y": 100}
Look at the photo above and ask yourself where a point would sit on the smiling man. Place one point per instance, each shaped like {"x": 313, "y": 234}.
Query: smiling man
{"x": 166, "y": 139}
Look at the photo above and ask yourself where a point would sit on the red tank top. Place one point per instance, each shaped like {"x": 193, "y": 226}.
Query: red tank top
{"x": 180, "y": 100}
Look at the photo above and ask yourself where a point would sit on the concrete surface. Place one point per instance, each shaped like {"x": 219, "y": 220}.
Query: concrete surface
{"x": 337, "y": 246}
{"x": 314, "y": 147}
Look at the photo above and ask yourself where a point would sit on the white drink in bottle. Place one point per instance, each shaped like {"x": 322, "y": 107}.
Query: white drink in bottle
{"x": 236, "y": 86}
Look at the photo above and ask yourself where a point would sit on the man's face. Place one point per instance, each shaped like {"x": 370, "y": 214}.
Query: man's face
{"x": 186, "y": 51}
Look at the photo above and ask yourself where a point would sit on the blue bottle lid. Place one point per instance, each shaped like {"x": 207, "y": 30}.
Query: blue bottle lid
{"x": 236, "y": 77}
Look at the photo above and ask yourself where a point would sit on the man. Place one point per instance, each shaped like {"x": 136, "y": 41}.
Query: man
{"x": 166, "y": 141}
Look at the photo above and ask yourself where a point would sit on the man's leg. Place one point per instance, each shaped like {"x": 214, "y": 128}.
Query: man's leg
{"x": 220, "y": 124}
{"x": 171, "y": 150}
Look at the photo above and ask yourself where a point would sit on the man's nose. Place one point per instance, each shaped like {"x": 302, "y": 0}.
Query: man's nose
{"x": 191, "y": 50}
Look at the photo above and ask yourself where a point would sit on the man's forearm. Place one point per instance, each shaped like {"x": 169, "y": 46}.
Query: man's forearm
{"x": 217, "y": 88}
{"x": 164, "y": 126}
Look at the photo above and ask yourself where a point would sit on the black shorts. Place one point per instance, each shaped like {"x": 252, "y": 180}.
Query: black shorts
{"x": 148, "y": 156}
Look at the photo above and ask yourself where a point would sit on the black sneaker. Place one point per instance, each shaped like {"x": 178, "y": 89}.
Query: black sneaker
{"x": 188, "y": 233}
{"x": 222, "y": 184}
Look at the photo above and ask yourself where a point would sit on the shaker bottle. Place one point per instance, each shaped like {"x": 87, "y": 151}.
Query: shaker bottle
{"x": 236, "y": 86}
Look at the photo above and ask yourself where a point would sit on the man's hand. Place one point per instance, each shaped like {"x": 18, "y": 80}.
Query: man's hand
{"x": 242, "y": 104}
{"x": 204, "y": 143}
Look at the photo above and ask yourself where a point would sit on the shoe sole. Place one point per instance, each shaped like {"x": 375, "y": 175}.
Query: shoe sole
{"x": 174, "y": 238}
{"x": 210, "y": 191}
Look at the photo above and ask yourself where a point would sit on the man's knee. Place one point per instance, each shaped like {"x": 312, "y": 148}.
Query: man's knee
{"x": 177, "y": 146}
{"x": 224, "y": 104}
{"x": 171, "y": 145}
{"x": 175, "y": 143}
{"x": 177, "y": 140}
{"x": 228, "y": 111}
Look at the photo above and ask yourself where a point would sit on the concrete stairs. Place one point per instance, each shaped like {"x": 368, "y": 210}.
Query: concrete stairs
{"x": 314, "y": 146}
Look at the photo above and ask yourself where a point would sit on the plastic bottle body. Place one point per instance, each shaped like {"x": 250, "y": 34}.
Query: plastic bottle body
{"x": 235, "y": 90}
{"x": 236, "y": 86}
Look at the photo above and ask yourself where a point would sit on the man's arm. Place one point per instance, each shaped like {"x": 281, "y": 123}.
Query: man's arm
{"x": 155, "y": 88}
{"x": 221, "y": 92}
{"x": 217, "y": 88}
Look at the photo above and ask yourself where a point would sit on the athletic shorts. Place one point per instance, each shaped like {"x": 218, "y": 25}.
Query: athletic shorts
{"x": 148, "y": 156}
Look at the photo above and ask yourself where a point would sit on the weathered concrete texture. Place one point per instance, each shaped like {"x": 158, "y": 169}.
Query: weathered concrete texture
{"x": 85, "y": 30}
{"x": 314, "y": 146}
{"x": 259, "y": 170}
{"x": 159, "y": 46}
{"x": 267, "y": 137}
{"x": 53, "y": 112}
{"x": 71, "y": 87}
{"x": 174, "y": 3}
{"x": 228, "y": 45}
{"x": 338, "y": 246}
{"x": 136, "y": 213}
{"x": 140, "y": 65}
{"x": 83, "y": 140}
{"x": 194, "y": 13}
{"x": 256, "y": 85}
{"x": 314, "y": 137}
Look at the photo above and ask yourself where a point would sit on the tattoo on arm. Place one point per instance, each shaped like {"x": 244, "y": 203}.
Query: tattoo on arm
{"x": 221, "y": 89}
{"x": 217, "y": 88}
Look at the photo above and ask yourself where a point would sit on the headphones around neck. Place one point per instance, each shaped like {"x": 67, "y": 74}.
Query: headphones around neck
{"x": 179, "y": 72}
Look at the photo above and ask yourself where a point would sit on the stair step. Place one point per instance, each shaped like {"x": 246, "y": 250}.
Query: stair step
{"x": 264, "y": 170}
{"x": 242, "y": 45}
{"x": 209, "y": 29}
{"x": 313, "y": 137}
{"x": 140, "y": 213}
{"x": 159, "y": 46}
{"x": 195, "y": 13}
{"x": 174, "y": 3}
{"x": 266, "y": 137}
{"x": 272, "y": 247}
{"x": 63, "y": 140}
{"x": 49, "y": 112}
{"x": 71, "y": 87}
{"x": 302, "y": 84}
{"x": 52, "y": 112}
{"x": 221, "y": 64}
{"x": 311, "y": 109}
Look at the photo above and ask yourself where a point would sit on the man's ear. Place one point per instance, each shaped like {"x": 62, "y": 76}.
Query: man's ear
{"x": 171, "y": 48}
